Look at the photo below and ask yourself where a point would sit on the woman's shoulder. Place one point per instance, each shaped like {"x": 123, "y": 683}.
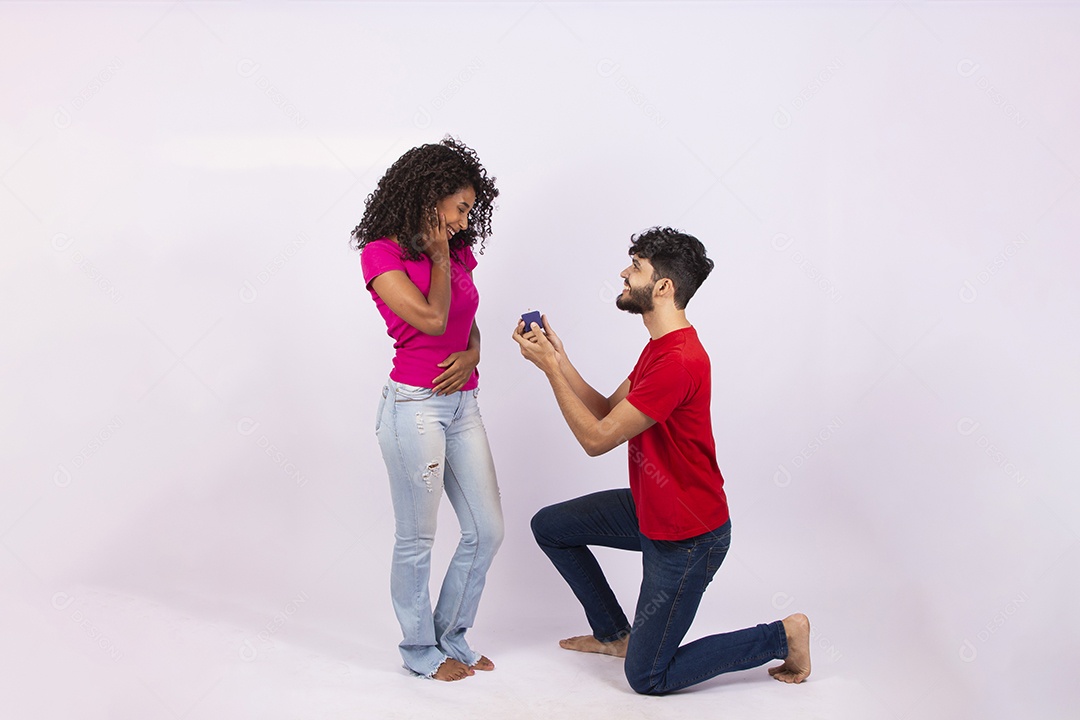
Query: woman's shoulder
{"x": 382, "y": 244}
{"x": 379, "y": 256}
{"x": 380, "y": 249}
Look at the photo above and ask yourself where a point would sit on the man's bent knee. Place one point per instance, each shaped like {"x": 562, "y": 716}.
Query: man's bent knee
{"x": 541, "y": 524}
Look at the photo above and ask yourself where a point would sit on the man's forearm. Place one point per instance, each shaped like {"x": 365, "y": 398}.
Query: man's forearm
{"x": 578, "y": 415}
{"x": 596, "y": 403}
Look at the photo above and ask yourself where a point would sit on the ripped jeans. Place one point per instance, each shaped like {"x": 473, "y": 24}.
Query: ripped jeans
{"x": 431, "y": 444}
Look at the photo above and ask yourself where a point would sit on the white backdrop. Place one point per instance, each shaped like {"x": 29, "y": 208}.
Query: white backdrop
{"x": 195, "y": 520}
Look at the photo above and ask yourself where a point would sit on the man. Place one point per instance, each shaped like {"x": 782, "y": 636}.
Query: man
{"x": 675, "y": 511}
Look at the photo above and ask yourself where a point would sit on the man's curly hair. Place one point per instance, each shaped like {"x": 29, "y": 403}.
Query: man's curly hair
{"x": 676, "y": 256}
{"x": 402, "y": 202}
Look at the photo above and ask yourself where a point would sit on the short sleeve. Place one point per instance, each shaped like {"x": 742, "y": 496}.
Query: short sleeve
{"x": 662, "y": 386}
{"x": 379, "y": 257}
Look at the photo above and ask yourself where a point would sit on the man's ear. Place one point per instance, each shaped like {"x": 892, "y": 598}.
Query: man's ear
{"x": 664, "y": 287}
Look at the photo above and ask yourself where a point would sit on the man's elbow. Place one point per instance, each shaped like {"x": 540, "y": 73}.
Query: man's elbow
{"x": 594, "y": 448}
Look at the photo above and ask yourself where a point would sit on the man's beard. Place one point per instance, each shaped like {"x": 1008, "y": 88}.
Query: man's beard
{"x": 638, "y": 302}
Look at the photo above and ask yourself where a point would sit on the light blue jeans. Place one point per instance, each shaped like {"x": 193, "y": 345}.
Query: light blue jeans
{"x": 431, "y": 444}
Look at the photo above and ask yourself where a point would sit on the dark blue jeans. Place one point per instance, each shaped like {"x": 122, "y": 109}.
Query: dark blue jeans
{"x": 674, "y": 577}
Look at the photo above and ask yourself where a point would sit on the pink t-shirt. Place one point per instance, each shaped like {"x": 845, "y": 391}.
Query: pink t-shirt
{"x": 417, "y": 354}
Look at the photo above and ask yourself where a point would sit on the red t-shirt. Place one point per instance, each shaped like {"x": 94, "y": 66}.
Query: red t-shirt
{"x": 417, "y": 355}
{"x": 676, "y": 483}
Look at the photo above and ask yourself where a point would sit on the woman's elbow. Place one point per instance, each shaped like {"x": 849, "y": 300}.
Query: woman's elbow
{"x": 435, "y": 330}
{"x": 433, "y": 326}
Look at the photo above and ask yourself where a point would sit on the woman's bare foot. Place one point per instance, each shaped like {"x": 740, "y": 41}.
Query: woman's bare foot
{"x": 483, "y": 664}
{"x": 796, "y": 667}
{"x": 451, "y": 670}
{"x": 587, "y": 643}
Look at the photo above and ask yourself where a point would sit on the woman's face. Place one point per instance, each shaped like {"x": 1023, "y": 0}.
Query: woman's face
{"x": 455, "y": 210}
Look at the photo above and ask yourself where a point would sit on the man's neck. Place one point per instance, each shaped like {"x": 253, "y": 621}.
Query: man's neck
{"x": 660, "y": 322}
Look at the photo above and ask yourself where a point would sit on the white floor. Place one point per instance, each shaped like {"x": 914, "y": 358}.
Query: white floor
{"x": 91, "y": 653}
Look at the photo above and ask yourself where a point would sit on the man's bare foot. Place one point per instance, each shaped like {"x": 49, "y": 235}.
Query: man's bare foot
{"x": 451, "y": 670}
{"x": 796, "y": 667}
{"x": 589, "y": 644}
{"x": 483, "y": 664}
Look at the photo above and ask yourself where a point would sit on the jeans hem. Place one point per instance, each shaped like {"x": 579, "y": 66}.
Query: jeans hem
{"x": 596, "y": 593}
{"x": 617, "y": 635}
{"x": 427, "y": 675}
{"x": 781, "y": 635}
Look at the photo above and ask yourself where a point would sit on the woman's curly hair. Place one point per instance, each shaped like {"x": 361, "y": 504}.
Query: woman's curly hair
{"x": 401, "y": 204}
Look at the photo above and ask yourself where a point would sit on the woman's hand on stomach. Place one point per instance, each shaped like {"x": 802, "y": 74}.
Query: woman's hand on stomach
{"x": 459, "y": 368}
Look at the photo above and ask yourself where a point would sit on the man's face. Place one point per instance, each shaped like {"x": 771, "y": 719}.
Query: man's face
{"x": 638, "y": 287}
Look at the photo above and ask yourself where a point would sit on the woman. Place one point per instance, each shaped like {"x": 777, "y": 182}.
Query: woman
{"x": 416, "y": 239}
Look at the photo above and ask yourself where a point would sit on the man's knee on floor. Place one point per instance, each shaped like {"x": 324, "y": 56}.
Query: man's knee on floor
{"x": 641, "y": 683}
